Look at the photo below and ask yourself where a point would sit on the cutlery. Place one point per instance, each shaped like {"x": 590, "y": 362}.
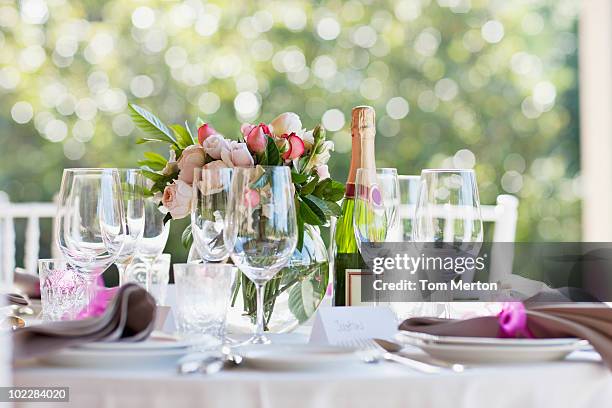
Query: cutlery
{"x": 393, "y": 347}
{"x": 372, "y": 352}
{"x": 211, "y": 364}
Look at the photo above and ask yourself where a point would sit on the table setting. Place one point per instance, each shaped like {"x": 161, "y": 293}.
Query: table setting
{"x": 263, "y": 308}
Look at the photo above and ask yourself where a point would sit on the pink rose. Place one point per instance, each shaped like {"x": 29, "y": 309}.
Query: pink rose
{"x": 177, "y": 199}
{"x": 257, "y": 138}
{"x": 237, "y": 155}
{"x": 205, "y": 131}
{"x": 286, "y": 123}
{"x": 246, "y": 128}
{"x": 322, "y": 171}
{"x": 251, "y": 198}
{"x": 296, "y": 147}
{"x": 212, "y": 180}
{"x": 192, "y": 158}
{"x": 213, "y": 145}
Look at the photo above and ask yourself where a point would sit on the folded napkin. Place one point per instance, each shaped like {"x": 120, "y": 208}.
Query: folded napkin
{"x": 13, "y": 299}
{"x": 130, "y": 316}
{"x": 592, "y": 322}
{"x": 27, "y": 284}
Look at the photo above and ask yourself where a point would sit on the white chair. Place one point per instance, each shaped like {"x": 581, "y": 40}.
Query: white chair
{"x": 32, "y": 213}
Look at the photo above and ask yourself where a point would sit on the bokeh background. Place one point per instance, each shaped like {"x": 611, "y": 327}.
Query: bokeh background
{"x": 488, "y": 84}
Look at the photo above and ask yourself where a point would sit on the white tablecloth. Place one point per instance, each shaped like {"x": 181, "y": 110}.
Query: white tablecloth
{"x": 581, "y": 381}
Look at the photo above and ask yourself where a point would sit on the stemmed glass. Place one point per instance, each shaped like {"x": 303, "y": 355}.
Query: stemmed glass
{"x": 375, "y": 215}
{"x": 409, "y": 190}
{"x": 211, "y": 188}
{"x": 132, "y": 186}
{"x": 90, "y": 223}
{"x": 448, "y": 215}
{"x": 154, "y": 236}
{"x": 261, "y": 229}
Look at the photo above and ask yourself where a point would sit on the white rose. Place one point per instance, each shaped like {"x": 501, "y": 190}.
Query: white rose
{"x": 286, "y": 123}
{"x": 322, "y": 171}
{"x": 307, "y": 138}
{"x": 192, "y": 158}
{"x": 177, "y": 199}
{"x": 213, "y": 145}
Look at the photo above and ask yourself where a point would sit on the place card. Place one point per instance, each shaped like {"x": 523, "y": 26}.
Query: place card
{"x": 336, "y": 325}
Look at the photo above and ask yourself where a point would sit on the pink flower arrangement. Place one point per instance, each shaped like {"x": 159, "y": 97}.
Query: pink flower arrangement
{"x": 282, "y": 142}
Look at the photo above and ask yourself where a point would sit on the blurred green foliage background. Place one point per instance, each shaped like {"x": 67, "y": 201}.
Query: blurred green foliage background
{"x": 489, "y": 84}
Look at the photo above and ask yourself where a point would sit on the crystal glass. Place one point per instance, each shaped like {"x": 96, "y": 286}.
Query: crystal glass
{"x": 376, "y": 211}
{"x": 448, "y": 215}
{"x": 202, "y": 298}
{"x": 261, "y": 228}
{"x": 63, "y": 291}
{"x": 90, "y": 224}
{"x": 133, "y": 187}
{"x": 155, "y": 234}
{"x": 210, "y": 198}
{"x": 409, "y": 190}
{"x": 155, "y": 280}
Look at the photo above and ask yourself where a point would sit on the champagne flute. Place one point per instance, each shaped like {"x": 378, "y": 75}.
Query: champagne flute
{"x": 261, "y": 228}
{"x": 132, "y": 185}
{"x": 375, "y": 215}
{"x": 211, "y": 189}
{"x": 448, "y": 215}
{"x": 154, "y": 236}
{"x": 90, "y": 227}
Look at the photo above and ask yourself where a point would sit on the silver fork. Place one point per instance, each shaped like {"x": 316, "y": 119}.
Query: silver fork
{"x": 371, "y": 352}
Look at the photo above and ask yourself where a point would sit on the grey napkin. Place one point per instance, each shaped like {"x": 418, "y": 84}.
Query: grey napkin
{"x": 27, "y": 284}
{"x": 592, "y": 322}
{"x": 130, "y": 316}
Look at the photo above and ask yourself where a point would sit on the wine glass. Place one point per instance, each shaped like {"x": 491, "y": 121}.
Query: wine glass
{"x": 154, "y": 236}
{"x": 375, "y": 215}
{"x": 409, "y": 190}
{"x": 132, "y": 186}
{"x": 448, "y": 215}
{"x": 90, "y": 226}
{"x": 261, "y": 228}
{"x": 211, "y": 189}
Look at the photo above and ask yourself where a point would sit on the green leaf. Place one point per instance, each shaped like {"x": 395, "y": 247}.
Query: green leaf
{"x": 272, "y": 153}
{"x": 298, "y": 178}
{"x": 151, "y": 124}
{"x": 194, "y": 139}
{"x": 183, "y": 138}
{"x": 309, "y": 188}
{"x": 329, "y": 190}
{"x": 300, "y": 225}
{"x": 156, "y": 157}
{"x": 153, "y": 165}
{"x": 311, "y": 213}
{"x": 329, "y": 208}
{"x": 143, "y": 140}
{"x": 187, "y": 237}
{"x": 156, "y": 177}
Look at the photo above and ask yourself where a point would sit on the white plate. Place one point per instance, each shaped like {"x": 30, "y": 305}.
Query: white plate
{"x": 78, "y": 357}
{"x": 407, "y": 336}
{"x": 297, "y": 357}
{"x": 150, "y": 344}
{"x": 454, "y": 353}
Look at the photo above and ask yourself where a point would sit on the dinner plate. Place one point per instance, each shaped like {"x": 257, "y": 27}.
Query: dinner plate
{"x": 126, "y": 359}
{"x": 407, "y": 336}
{"x": 149, "y": 344}
{"x": 297, "y": 356}
{"x": 485, "y": 350}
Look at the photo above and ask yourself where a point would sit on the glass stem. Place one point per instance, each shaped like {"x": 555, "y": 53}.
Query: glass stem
{"x": 122, "y": 269}
{"x": 90, "y": 292}
{"x": 259, "y": 337}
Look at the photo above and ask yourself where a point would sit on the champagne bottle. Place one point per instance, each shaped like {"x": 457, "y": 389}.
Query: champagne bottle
{"x": 347, "y": 254}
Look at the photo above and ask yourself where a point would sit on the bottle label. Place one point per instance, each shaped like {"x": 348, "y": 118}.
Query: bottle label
{"x": 350, "y": 190}
{"x": 352, "y": 278}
